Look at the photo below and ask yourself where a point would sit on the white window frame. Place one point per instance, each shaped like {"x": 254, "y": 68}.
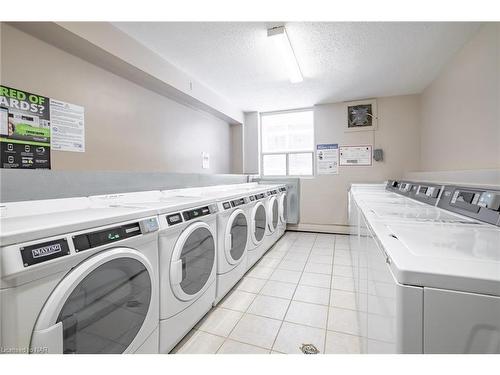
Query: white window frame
{"x": 286, "y": 153}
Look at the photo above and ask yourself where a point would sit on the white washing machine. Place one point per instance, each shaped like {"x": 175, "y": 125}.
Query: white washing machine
{"x": 273, "y": 215}
{"x": 428, "y": 281}
{"x": 282, "y": 209}
{"x": 258, "y": 227}
{"x": 233, "y": 231}
{"x": 78, "y": 279}
{"x": 187, "y": 258}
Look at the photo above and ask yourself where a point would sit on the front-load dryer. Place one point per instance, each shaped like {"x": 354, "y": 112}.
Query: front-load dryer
{"x": 258, "y": 227}
{"x": 187, "y": 258}
{"x": 232, "y": 233}
{"x": 282, "y": 209}
{"x": 78, "y": 279}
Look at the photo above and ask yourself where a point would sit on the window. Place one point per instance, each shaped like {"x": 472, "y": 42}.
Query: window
{"x": 287, "y": 143}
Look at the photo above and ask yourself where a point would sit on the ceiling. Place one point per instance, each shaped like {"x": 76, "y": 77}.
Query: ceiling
{"x": 340, "y": 61}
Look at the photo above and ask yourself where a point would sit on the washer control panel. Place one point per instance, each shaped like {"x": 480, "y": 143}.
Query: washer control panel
{"x": 477, "y": 203}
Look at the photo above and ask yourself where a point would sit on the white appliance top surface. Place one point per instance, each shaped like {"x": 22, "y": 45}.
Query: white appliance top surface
{"x": 156, "y": 200}
{"x": 447, "y": 256}
{"x": 405, "y": 212}
{"x": 36, "y": 225}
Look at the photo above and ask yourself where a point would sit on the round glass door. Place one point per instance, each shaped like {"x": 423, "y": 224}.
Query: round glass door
{"x": 275, "y": 214}
{"x": 106, "y": 310}
{"x": 236, "y": 236}
{"x": 192, "y": 261}
{"x": 260, "y": 222}
{"x": 284, "y": 208}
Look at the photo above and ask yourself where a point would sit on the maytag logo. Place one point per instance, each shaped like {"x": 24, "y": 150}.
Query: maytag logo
{"x": 46, "y": 250}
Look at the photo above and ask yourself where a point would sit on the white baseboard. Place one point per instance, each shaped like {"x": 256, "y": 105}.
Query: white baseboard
{"x": 319, "y": 228}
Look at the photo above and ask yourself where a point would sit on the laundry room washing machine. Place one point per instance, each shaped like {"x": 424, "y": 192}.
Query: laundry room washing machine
{"x": 282, "y": 209}
{"x": 431, "y": 282}
{"x": 273, "y": 215}
{"x": 258, "y": 227}
{"x": 233, "y": 231}
{"x": 187, "y": 258}
{"x": 257, "y": 217}
{"x": 78, "y": 279}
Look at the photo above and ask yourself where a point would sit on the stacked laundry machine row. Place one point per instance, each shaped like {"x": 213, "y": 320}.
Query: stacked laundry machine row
{"x": 426, "y": 267}
{"x": 127, "y": 273}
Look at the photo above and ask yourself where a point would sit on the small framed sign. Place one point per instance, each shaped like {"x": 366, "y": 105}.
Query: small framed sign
{"x": 361, "y": 115}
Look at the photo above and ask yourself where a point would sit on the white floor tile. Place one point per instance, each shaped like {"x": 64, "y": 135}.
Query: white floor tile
{"x": 238, "y": 300}
{"x": 251, "y": 284}
{"x": 323, "y": 259}
{"x": 286, "y": 276}
{"x": 260, "y": 272}
{"x": 325, "y": 269}
{"x": 322, "y": 251}
{"x": 220, "y": 321}
{"x": 343, "y": 299}
{"x": 201, "y": 343}
{"x": 344, "y": 271}
{"x": 307, "y": 314}
{"x": 256, "y": 330}
{"x": 312, "y": 294}
{"x": 291, "y": 265}
{"x": 343, "y": 283}
{"x": 235, "y": 347}
{"x": 315, "y": 279}
{"x": 274, "y": 255}
{"x": 278, "y": 289}
{"x": 343, "y": 253}
{"x": 292, "y": 336}
{"x": 269, "y": 262}
{"x": 345, "y": 321}
{"x": 340, "y": 343}
{"x": 299, "y": 250}
{"x": 342, "y": 260}
{"x": 296, "y": 257}
{"x": 270, "y": 307}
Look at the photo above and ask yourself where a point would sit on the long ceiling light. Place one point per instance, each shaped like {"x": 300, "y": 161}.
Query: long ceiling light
{"x": 280, "y": 38}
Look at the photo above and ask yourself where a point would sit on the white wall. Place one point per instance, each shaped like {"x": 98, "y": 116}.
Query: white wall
{"x": 323, "y": 204}
{"x": 128, "y": 127}
{"x": 251, "y": 147}
{"x": 460, "y": 126}
{"x": 236, "y": 148}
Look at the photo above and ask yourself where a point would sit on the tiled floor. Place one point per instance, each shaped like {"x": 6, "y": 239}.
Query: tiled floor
{"x": 300, "y": 292}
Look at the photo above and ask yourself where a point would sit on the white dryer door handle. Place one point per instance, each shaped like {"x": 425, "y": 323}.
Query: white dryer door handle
{"x": 49, "y": 340}
{"x": 176, "y": 275}
{"x": 229, "y": 239}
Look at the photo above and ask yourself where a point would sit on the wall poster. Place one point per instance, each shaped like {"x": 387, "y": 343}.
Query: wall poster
{"x": 30, "y": 123}
{"x": 327, "y": 158}
{"x": 356, "y": 155}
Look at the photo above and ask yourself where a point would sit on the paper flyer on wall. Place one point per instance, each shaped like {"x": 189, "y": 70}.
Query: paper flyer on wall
{"x": 30, "y": 124}
{"x": 67, "y": 123}
{"x": 327, "y": 158}
{"x": 24, "y": 129}
{"x": 356, "y": 155}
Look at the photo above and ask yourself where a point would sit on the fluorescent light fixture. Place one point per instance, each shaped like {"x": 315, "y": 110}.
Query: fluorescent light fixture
{"x": 280, "y": 38}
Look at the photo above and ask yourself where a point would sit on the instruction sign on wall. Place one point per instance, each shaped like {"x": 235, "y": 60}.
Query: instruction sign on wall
{"x": 356, "y": 155}
{"x": 327, "y": 158}
{"x": 31, "y": 123}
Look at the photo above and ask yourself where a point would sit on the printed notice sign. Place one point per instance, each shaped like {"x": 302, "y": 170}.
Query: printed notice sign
{"x": 327, "y": 158}
{"x": 24, "y": 129}
{"x": 68, "y": 126}
{"x": 356, "y": 155}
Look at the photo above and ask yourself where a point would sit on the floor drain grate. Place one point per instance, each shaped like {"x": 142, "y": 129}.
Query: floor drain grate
{"x": 309, "y": 349}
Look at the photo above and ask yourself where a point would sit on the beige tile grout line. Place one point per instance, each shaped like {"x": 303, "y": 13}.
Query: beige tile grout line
{"x": 330, "y": 294}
